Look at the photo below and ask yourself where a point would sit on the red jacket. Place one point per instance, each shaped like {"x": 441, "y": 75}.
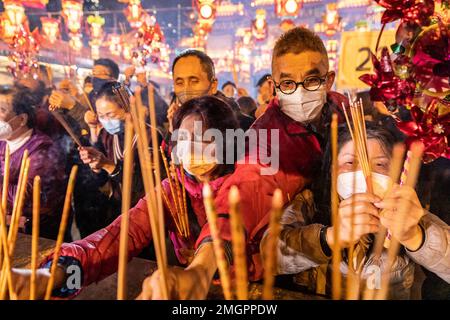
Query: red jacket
{"x": 98, "y": 253}
{"x": 300, "y": 157}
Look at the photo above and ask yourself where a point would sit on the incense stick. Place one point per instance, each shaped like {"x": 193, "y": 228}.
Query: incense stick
{"x": 270, "y": 255}
{"x": 238, "y": 245}
{"x": 62, "y": 231}
{"x": 66, "y": 127}
{"x": 394, "y": 172}
{"x": 4, "y": 203}
{"x": 35, "y": 235}
{"x": 126, "y": 204}
{"x": 149, "y": 185}
{"x": 336, "y": 250}
{"x": 417, "y": 149}
{"x": 219, "y": 253}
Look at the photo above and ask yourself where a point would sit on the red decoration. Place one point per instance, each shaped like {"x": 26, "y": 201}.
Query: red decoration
{"x": 417, "y": 11}
{"x": 25, "y": 47}
{"x": 431, "y": 127}
{"x": 387, "y": 87}
{"x": 259, "y": 25}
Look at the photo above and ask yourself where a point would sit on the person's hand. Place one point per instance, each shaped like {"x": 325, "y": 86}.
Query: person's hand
{"x": 171, "y": 112}
{"x": 401, "y": 214}
{"x": 68, "y": 87}
{"x": 365, "y": 219}
{"x": 96, "y": 160}
{"x": 21, "y": 279}
{"x": 242, "y": 93}
{"x": 91, "y": 120}
{"x": 61, "y": 100}
{"x": 129, "y": 72}
{"x": 188, "y": 284}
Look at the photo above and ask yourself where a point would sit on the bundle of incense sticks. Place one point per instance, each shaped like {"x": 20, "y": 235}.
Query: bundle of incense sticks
{"x": 414, "y": 163}
{"x": 270, "y": 256}
{"x": 126, "y": 204}
{"x": 219, "y": 252}
{"x": 177, "y": 202}
{"x": 5, "y": 283}
{"x": 336, "y": 250}
{"x": 238, "y": 245}
{"x": 152, "y": 181}
{"x": 35, "y": 235}
{"x": 357, "y": 127}
{"x": 61, "y": 231}
{"x": 394, "y": 173}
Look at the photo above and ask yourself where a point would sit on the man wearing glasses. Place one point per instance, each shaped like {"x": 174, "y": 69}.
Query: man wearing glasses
{"x": 301, "y": 113}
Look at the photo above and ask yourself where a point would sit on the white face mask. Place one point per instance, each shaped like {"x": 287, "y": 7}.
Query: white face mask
{"x": 381, "y": 184}
{"x": 197, "y": 159}
{"x": 303, "y": 106}
{"x": 6, "y": 130}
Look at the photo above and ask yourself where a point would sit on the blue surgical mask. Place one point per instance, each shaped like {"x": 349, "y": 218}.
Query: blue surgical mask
{"x": 98, "y": 83}
{"x": 113, "y": 126}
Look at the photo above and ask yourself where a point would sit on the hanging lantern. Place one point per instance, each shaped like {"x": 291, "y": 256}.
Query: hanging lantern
{"x": 95, "y": 49}
{"x": 15, "y": 12}
{"x": 76, "y": 41}
{"x": 96, "y": 23}
{"x": 73, "y": 13}
{"x": 115, "y": 44}
{"x": 259, "y": 25}
{"x": 8, "y": 30}
{"x": 288, "y": 8}
{"x": 127, "y": 51}
{"x": 331, "y": 20}
{"x": 134, "y": 13}
{"x": 206, "y": 9}
{"x": 50, "y": 28}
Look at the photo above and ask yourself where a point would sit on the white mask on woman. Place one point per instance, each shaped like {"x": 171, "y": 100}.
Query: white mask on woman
{"x": 6, "y": 130}
{"x": 381, "y": 184}
{"x": 303, "y": 106}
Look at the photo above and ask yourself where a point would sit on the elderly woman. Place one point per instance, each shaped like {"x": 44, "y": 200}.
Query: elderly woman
{"x": 306, "y": 239}
{"x": 17, "y": 131}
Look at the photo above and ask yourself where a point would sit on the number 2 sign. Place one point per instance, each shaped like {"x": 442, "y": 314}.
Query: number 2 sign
{"x": 354, "y": 59}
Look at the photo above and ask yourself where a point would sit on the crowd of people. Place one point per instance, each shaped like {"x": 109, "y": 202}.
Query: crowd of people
{"x": 296, "y": 101}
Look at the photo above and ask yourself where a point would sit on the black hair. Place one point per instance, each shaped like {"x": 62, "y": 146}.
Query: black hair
{"x": 247, "y": 105}
{"x": 322, "y": 185}
{"x": 22, "y": 103}
{"x": 205, "y": 61}
{"x": 229, "y": 83}
{"x": 108, "y": 92}
{"x": 263, "y": 79}
{"x": 87, "y": 80}
{"x": 215, "y": 114}
{"x": 111, "y": 65}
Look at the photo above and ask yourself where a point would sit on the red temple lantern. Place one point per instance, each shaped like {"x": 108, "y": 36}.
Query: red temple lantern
{"x": 134, "y": 13}
{"x": 73, "y": 13}
{"x": 96, "y": 24}
{"x": 288, "y": 8}
{"x": 15, "y": 12}
{"x": 50, "y": 28}
{"x": 259, "y": 25}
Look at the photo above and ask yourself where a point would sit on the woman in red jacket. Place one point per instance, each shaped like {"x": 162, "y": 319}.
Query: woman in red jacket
{"x": 97, "y": 255}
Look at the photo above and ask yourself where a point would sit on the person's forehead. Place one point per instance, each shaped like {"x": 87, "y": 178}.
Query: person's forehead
{"x": 100, "y": 69}
{"x": 104, "y": 105}
{"x": 189, "y": 67}
{"x": 299, "y": 64}
{"x": 6, "y": 101}
{"x": 373, "y": 145}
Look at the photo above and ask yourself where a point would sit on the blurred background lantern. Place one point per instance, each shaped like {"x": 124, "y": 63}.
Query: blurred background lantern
{"x": 73, "y": 13}
{"x": 50, "y": 28}
{"x": 287, "y": 8}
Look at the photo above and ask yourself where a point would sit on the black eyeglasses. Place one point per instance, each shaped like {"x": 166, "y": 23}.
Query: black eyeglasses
{"x": 309, "y": 84}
